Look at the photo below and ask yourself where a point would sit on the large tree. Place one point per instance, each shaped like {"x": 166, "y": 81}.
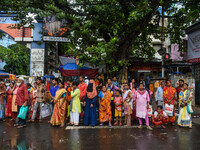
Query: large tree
{"x": 17, "y": 58}
{"x": 111, "y": 31}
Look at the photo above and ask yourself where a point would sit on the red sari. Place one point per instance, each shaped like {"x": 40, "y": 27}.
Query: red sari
{"x": 9, "y": 104}
{"x": 169, "y": 93}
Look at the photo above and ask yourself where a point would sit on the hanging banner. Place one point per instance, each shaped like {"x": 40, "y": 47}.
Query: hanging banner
{"x": 193, "y": 55}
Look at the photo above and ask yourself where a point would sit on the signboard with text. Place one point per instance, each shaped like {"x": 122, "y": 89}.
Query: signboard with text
{"x": 193, "y": 47}
{"x": 55, "y": 39}
{"x": 37, "y": 62}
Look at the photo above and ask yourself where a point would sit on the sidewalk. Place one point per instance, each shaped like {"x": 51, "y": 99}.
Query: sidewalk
{"x": 196, "y": 115}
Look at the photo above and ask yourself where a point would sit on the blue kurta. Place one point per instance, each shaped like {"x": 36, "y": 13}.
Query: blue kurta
{"x": 90, "y": 117}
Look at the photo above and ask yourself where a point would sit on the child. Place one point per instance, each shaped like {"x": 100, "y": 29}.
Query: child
{"x": 128, "y": 105}
{"x": 118, "y": 108}
{"x": 160, "y": 117}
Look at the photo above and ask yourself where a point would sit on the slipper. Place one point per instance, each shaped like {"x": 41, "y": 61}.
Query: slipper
{"x": 19, "y": 127}
{"x": 116, "y": 124}
{"x": 16, "y": 125}
{"x": 149, "y": 128}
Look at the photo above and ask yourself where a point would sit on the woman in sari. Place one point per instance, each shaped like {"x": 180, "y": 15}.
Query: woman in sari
{"x": 14, "y": 106}
{"x": 184, "y": 118}
{"x": 90, "y": 117}
{"x": 9, "y": 101}
{"x": 33, "y": 95}
{"x": 104, "y": 106}
{"x": 169, "y": 98}
{"x": 58, "y": 116}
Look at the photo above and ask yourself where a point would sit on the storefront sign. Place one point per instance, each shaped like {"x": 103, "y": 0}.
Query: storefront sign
{"x": 194, "y": 47}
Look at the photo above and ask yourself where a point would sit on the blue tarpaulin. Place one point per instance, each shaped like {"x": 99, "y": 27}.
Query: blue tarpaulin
{"x": 3, "y": 72}
{"x": 72, "y": 66}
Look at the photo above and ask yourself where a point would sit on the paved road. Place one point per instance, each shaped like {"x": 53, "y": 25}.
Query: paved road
{"x": 41, "y": 136}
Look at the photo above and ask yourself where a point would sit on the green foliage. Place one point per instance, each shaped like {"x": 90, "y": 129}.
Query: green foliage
{"x": 111, "y": 31}
{"x": 17, "y": 58}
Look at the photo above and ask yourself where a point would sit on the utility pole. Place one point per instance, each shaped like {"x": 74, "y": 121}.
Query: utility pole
{"x": 162, "y": 42}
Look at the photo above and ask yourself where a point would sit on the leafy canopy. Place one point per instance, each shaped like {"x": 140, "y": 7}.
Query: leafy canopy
{"x": 17, "y": 58}
{"x": 112, "y": 31}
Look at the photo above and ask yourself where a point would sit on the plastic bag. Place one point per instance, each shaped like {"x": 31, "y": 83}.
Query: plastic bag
{"x": 189, "y": 109}
{"x": 45, "y": 110}
{"x": 22, "y": 112}
{"x": 150, "y": 111}
{"x": 169, "y": 109}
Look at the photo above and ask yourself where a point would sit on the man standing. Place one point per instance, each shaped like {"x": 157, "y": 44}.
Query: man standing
{"x": 2, "y": 97}
{"x": 180, "y": 87}
{"x": 53, "y": 90}
{"x": 21, "y": 100}
{"x": 100, "y": 83}
{"x": 115, "y": 83}
{"x": 40, "y": 100}
{"x": 159, "y": 95}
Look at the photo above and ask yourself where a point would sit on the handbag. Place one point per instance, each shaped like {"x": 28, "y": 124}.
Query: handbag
{"x": 169, "y": 109}
{"x": 189, "y": 109}
{"x": 22, "y": 112}
{"x": 45, "y": 110}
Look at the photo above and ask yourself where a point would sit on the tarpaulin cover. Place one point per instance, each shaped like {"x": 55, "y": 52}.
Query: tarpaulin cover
{"x": 3, "y": 72}
{"x": 73, "y": 66}
{"x": 91, "y": 73}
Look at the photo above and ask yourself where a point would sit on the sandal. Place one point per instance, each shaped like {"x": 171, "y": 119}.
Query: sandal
{"x": 109, "y": 125}
{"x": 19, "y": 127}
{"x": 116, "y": 124}
{"x": 149, "y": 128}
{"x": 16, "y": 125}
{"x": 120, "y": 124}
{"x": 140, "y": 127}
{"x": 163, "y": 126}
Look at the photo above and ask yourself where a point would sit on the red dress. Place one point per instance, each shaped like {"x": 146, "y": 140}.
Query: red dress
{"x": 9, "y": 104}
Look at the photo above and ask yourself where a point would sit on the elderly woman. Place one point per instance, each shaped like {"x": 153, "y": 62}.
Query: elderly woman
{"x": 90, "y": 117}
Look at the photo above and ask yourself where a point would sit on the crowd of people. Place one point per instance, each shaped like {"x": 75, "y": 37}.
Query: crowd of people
{"x": 91, "y": 103}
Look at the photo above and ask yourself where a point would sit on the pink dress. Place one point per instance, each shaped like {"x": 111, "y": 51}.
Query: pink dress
{"x": 141, "y": 98}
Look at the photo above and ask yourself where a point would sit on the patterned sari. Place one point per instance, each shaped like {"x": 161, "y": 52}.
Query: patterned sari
{"x": 169, "y": 93}
{"x": 58, "y": 116}
{"x": 184, "y": 118}
{"x": 105, "y": 107}
{"x": 9, "y": 104}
